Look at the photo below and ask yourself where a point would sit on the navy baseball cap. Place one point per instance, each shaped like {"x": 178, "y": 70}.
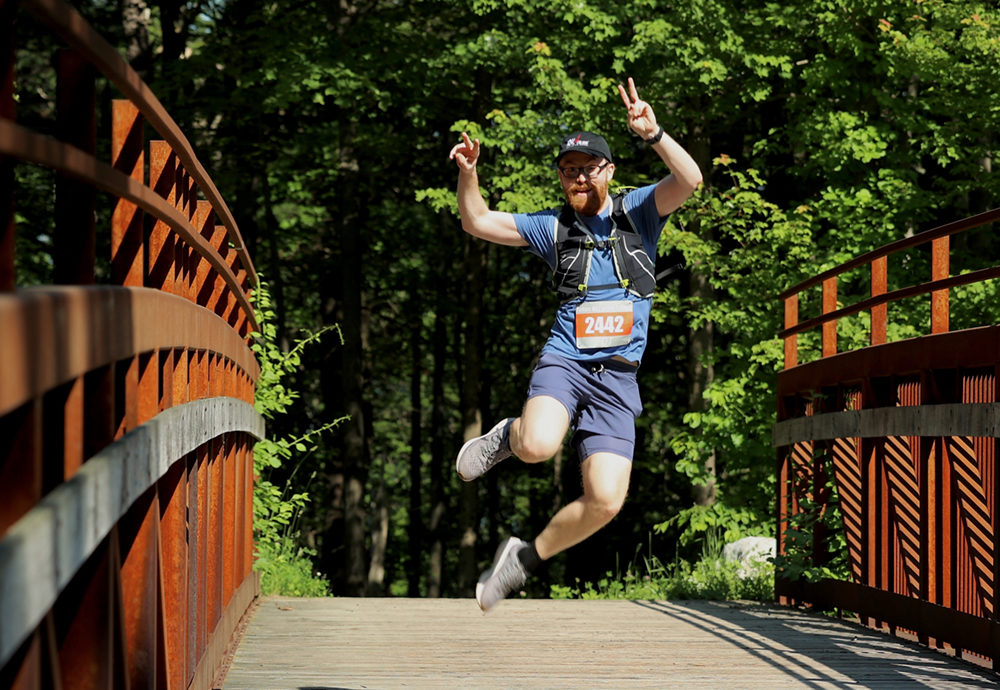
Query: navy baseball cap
{"x": 585, "y": 142}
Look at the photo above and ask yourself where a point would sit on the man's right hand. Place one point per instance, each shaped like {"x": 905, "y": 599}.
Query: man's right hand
{"x": 465, "y": 154}
{"x": 477, "y": 219}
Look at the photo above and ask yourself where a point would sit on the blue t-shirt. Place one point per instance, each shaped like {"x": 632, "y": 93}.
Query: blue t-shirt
{"x": 539, "y": 231}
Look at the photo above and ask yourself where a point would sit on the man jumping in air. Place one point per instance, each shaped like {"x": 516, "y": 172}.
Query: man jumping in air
{"x": 601, "y": 249}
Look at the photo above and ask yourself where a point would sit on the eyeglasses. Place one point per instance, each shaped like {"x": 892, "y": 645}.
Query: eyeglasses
{"x": 587, "y": 170}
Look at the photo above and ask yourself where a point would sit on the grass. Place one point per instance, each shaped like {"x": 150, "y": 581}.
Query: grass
{"x": 710, "y": 578}
{"x": 286, "y": 569}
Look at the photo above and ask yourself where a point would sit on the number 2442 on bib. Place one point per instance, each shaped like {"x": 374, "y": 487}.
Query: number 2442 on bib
{"x": 603, "y": 324}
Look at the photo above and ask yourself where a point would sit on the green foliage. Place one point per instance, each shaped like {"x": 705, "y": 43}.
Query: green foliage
{"x": 273, "y": 397}
{"x": 284, "y": 564}
{"x": 701, "y": 524}
{"x": 803, "y": 558}
{"x": 744, "y": 245}
{"x": 710, "y": 578}
{"x": 824, "y": 129}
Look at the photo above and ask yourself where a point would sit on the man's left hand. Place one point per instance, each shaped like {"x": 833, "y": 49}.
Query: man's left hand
{"x": 640, "y": 113}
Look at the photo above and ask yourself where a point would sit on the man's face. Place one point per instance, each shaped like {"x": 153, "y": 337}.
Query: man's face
{"x": 586, "y": 194}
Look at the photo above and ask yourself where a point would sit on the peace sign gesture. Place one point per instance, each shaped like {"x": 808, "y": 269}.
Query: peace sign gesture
{"x": 640, "y": 114}
{"x": 466, "y": 153}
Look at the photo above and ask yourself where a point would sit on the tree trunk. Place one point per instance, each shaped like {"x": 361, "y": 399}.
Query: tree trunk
{"x": 416, "y": 531}
{"x": 700, "y": 370}
{"x": 356, "y": 449}
{"x": 135, "y": 23}
{"x": 380, "y": 540}
{"x": 274, "y": 280}
{"x": 435, "y": 565}
{"x": 174, "y": 30}
{"x": 345, "y": 382}
{"x": 700, "y": 375}
{"x": 471, "y": 406}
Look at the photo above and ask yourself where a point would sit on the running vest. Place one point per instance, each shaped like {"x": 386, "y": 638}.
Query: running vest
{"x": 575, "y": 245}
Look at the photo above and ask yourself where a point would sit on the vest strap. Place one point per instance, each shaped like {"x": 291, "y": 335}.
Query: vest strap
{"x": 606, "y": 286}
{"x": 633, "y": 267}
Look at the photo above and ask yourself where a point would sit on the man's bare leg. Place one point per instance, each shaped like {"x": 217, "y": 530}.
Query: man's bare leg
{"x": 605, "y": 484}
{"x": 535, "y": 436}
{"x": 538, "y": 433}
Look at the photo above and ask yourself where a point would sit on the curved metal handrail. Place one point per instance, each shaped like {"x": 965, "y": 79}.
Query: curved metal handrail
{"x": 26, "y": 145}
{"x": 88, "y": 323}
{"x": 126, "y": 412}
{"x": 924, "y": 237}
{"x": 894, "y": 296}
{"x": 41, "y": 553}
{"x": 938, "y": 287}
{"x": 72, "y": 28}
{"x": 908, "y": 432}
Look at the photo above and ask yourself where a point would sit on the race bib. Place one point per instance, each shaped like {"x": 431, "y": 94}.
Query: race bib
{"x": 603, "y": 324}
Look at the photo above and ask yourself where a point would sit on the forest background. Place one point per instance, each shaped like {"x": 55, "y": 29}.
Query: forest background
{"x": 824, "y": 129}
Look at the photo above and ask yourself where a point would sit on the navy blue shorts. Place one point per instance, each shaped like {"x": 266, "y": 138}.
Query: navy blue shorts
{"x": 603, "y": 402}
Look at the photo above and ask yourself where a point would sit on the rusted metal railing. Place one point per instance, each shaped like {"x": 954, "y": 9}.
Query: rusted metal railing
{"x": 906, "y": 432}
{"x": 126, "y": 410}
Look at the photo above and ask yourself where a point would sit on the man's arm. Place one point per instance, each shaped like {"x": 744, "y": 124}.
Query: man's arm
{"x": 477, "y": 218}
{"x": 685, "y": 176}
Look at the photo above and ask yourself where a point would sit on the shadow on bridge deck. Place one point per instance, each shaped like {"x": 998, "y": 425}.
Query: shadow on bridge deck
{"x": 384, "y": 643}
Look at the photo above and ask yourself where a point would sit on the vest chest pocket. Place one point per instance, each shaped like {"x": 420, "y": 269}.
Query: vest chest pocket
{"x": 603, "y": 324}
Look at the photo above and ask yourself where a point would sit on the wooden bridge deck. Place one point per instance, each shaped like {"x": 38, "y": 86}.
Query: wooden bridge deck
{"x": 449, "y": 643}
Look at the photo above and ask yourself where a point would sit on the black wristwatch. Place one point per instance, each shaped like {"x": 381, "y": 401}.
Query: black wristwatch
{"x": 656, "y": 137}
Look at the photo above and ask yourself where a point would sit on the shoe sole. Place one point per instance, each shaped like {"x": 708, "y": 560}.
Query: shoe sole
{"x": 511, "y": 544}
{"x": 467, "y": 444}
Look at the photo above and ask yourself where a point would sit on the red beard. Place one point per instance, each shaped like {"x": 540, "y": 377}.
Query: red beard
{"x": 589, "y": 204}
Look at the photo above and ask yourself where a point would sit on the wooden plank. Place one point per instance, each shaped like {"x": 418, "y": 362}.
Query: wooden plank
{"x": 449, "y": 643}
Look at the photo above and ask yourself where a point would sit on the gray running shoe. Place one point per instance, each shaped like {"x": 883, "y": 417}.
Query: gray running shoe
{"x": 506, "y": 575}
{"x": 483, "y": 452}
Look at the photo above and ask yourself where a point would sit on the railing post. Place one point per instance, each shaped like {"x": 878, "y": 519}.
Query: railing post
{"x": 162, "y": 176}
{"x": 830, "y": 327}
{"x": 201, "y": 270}
{"x": 139, "y": 581}
{"x": 791, "y": 341}
{"x": 173, "y": 493}
{"x": 215, "y": 603}
{"x": 880, "y": 312}
{"x": 190, "y": 210}
{"x": 246, "y": 452}
{"x": 76, "y": 122}
{"x": 242, "y": 323}
{"x": 230, "y": 519}
{"x": 7, "y": 32}
{"x": 127, "y": 156}
{"x": 929, "y": 523}
{"x": 215, "y": 301}
{"x": 232, "y": 258}
{"x": 200, "y": 598}
{"x": 939, "y": 270}
{"x": 782, "y": 510}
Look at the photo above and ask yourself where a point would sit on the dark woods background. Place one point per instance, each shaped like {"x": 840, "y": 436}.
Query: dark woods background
{"x": 824, "y": 128}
